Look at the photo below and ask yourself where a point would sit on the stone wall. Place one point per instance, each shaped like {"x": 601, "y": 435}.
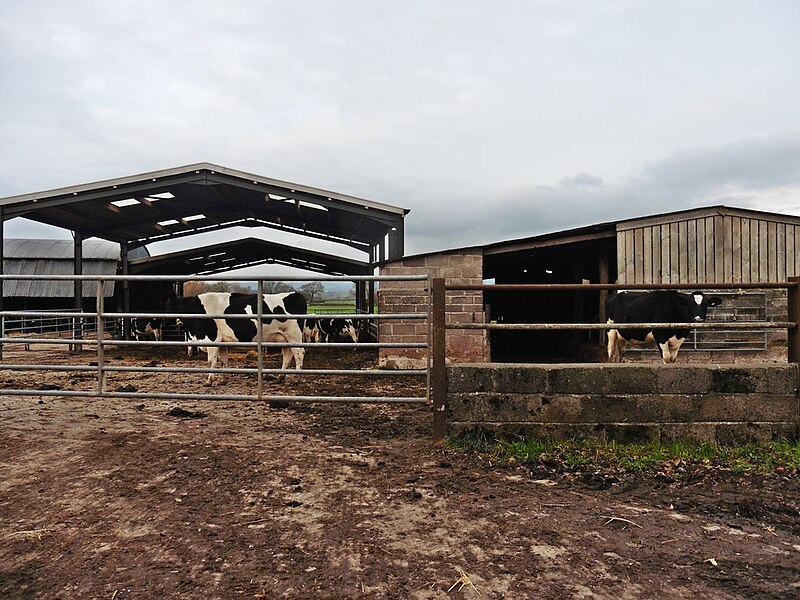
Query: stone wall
{"x": 626, "y": 402}
{"x": 462, "y": 267}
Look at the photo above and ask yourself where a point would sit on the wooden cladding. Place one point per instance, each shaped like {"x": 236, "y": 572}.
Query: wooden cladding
{"x": 718, "y": 248}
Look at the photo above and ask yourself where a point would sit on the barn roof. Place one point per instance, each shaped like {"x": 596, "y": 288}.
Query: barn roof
{"x": 245, "y": 253}
{"x": 54, "y": 257}
{"x": 608, "y": 230}
{"x": 202, "y": 197}
{"x": 21, "y": 248}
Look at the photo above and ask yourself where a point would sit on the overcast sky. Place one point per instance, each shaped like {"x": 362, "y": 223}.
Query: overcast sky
{"x": 490, "y": 120}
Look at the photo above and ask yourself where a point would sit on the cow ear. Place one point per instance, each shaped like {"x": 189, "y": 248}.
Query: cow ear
{"x": 714, "y": 301}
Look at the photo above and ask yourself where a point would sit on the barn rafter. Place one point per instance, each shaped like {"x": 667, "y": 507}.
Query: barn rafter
{"x": 140, "y": 209}
{"x": 175, "y": 203}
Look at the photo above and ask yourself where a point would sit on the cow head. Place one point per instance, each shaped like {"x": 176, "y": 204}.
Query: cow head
{"x": 144, "y": 328}
{"x": 349, "y": 330}
{"x": 698, "y": 304}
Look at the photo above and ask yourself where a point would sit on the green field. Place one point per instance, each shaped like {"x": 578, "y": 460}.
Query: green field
{"x": 334, "y": 307}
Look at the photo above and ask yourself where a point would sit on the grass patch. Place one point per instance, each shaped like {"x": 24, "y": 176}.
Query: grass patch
{"x": 333, "y": 307}
{"x": 781, "y": 457}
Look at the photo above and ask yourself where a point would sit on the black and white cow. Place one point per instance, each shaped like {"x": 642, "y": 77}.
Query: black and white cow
{"x": 330, "y": 330}
{"x": 663, "y": 306}
{"x": 275, "y": 326}
{"x": 144, "y": 329}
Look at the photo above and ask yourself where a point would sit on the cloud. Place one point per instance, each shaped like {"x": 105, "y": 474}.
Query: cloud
{"x": 758, "y": 173}
{"x": 489, "y": 123}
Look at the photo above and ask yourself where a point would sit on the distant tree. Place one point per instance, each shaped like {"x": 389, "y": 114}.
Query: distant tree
{"x": 219, "y": 286}
{"x": 314, "y": 291}
{"x": 194, "y": 288}
{"x": 241, "y": 288}
{"x": 276, "y": 287}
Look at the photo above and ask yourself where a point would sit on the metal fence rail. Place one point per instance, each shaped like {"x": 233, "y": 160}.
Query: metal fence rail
{"x": 440, "y": 325}
{"x": 101, "y": 338}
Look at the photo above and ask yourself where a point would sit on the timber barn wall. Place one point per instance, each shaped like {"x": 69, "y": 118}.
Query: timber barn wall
{"x": 709, "y": 246}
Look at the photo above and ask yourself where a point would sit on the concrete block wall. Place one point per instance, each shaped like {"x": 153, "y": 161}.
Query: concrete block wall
{"x": 626, "y": 402}
{"x": 463, "y": 267}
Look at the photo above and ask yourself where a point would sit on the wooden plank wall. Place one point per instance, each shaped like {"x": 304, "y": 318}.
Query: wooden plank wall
{"x": 709, "y": 249}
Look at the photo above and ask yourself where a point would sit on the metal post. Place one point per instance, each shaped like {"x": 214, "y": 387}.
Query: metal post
{"x": 126, "y": 291}
{"x": 371, "y": 297}
{"x": 2, "y": 270}
{"x": 793, "y": 301}
{"x": 101, "y": 357}
{"x": 438, "y": 370}
{"x": 603, "y": 271}
{"x": 77, "y": 326}
{"x": 260, "y": 337}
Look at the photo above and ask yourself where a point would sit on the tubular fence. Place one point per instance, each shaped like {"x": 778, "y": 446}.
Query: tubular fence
{"x": 99, "y": 329}
{"x": 440, "y": 325}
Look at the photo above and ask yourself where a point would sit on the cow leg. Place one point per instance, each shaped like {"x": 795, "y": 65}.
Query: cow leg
{"x": 291, "y": 353}
{"x": 217, "y": 358}
{"x": 296, "y": 354}
{"x": 616, "y": 346}
{"x": 213, "y": 363}
{"x": 612, "y": 345}
{"x": 622, "y": 344}
{"x": 223, "y": 364}
{"x": 287, "y": 357}
{"x": 669, "y": 350}
{"x": 299, "y": 355}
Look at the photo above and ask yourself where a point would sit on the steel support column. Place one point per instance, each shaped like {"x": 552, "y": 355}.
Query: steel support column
{"x": 126, "y": 290}
{"x": 77, "y": 327}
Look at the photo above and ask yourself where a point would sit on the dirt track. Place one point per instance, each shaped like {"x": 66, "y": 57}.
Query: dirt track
{"x": 122, "y": 499}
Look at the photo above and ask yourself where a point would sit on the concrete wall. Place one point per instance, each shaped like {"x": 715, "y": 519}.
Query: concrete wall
{"x": 625, "y": 402}
{"x": 462, "y": 267}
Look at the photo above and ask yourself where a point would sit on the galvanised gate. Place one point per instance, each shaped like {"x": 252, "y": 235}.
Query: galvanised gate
{"x": 98, "y": 330}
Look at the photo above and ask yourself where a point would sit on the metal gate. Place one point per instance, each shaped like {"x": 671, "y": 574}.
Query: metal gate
{"x": 97, "y": 331}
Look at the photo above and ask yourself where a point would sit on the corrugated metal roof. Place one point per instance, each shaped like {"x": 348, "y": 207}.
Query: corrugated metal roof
{"x": 54, "y": 257}
{"x": 183, "y": 201}
{"x": 218, "y": 258}
{"x": 59, "y": 249}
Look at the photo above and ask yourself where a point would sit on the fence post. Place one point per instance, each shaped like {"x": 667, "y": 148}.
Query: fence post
{"x": 100, "y": 327}
{"x": 793, "y": 301}
{"x": 260, "y": 336}
{"x": 439, "y": 369}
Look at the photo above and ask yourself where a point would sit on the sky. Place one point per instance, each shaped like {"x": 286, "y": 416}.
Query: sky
{"x": 490, "y": 121}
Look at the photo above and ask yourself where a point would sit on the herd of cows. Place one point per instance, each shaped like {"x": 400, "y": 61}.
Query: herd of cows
{"x": 219, "y": 317}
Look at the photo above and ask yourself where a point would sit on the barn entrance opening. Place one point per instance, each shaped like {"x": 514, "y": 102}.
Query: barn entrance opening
{"x": 576, "y": 263}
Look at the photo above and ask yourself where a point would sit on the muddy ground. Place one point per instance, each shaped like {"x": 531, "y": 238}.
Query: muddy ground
{"x": 120, "y": 499}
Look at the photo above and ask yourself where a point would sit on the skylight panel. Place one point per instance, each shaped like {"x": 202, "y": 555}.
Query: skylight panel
{"x": 125, "y": 202}
{"x": 307, "y": 204}
{"x": 161, "y": 196}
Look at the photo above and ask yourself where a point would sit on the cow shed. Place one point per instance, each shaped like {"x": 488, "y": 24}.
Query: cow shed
{"x": 180, "y": 202}
{"x": 706, "y": 245}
